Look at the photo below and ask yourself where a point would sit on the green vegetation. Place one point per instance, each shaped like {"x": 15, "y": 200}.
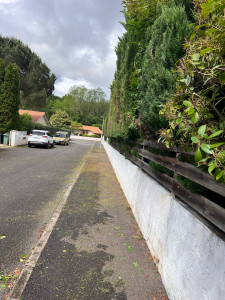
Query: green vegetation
{"x": 196, "y": 112}
{"x": 170, "y": 78}
{"x": 146, "y": 57}
{"x": 93, "y": 135}
{"x": 9, "y": 97}
{"x": 82, "y": 105}
{"x": 36, "y": 80}
{"x": 60, "y": 119}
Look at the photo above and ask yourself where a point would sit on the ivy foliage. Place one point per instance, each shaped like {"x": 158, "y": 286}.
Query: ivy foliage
{"x": 196, "y": 112}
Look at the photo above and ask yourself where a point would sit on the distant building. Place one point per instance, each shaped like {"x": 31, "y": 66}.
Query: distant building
{"x": 37, "y": 116}
{"x": 90, "y": 130}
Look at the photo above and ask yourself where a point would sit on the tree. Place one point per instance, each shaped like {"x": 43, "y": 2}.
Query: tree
{"x": 75, "y": 125}
{"x": 83, "y": 105}
{"x": 166, "y": 38}
{"x": 36, "y": 80}
{"x": 60, "y": 119}
{"x": 146, "y": 57}
{"x": 9, "y": 97}
{"x": 25, "y": 122}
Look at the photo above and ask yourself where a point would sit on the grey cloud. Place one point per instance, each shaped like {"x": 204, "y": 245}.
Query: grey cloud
{"x": 74, "y": 37}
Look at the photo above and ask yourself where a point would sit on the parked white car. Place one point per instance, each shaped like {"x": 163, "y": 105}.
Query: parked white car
{"x": 40, "y": 137}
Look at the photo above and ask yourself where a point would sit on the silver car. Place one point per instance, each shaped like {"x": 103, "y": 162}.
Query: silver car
{"x": 40, "y": 137}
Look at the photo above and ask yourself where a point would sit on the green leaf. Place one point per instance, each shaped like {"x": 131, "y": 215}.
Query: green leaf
{"x": 210, "y": 31}
{"x": 195, "y": 117}
{"x": 196, "y": 56}
{"x": 130, "y": 249}
{"x": 218, "y": 176}
{"x": 212, "y": 167}
{"x": 216, "y": 145}
{"x": 195, "y": 140}
{"x": 207, "y": 50}
{"x": 167, "y": 144}
{"x": 208, "y": 116}
{"x": 215, "y": 134}
{"x": 188, "y": 103}
{"x": 221, "y": 78}
{"x": 201, "y": 67}
{"x": 206, "y": 148}
{"x": 2, "y": 286}
{"x": 201, "y": 130}
{"x": 135, "y": 264}
{"x": 198, "y": 155}
{"x": 3, "y": 236}
{"x": 190, "y": 111}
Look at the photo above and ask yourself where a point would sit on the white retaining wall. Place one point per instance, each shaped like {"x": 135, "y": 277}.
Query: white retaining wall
{"x": 17, "y": 138}
{"x": 189, "y": 255}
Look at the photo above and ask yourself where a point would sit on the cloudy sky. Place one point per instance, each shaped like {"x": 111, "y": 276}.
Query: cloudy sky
{"x": 75, "y": 38}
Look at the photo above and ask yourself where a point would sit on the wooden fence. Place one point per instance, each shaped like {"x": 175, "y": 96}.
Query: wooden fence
{"x": 204, "y": 206}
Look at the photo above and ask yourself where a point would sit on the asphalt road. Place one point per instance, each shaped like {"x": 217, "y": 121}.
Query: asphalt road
{"x": 32, "y": 182}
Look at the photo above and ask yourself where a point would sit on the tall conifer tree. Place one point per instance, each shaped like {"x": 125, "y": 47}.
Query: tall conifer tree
{"x": 9, "y": 99}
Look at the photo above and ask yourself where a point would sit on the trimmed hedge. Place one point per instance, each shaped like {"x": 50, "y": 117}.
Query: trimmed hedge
{"x": 93, "y": 135}
{"x": 38, "y": 126}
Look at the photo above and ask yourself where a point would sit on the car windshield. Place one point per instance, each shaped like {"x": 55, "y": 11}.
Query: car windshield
{"x": 38, "y": 133}
{"x": 60, "y": 135}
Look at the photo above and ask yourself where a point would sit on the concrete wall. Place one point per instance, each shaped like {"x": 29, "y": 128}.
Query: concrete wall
{"x": 190, "y": 256}
{"x": 17, "y": 138}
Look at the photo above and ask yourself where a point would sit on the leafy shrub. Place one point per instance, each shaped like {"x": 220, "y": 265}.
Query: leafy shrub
{"x": 196, "y": 113}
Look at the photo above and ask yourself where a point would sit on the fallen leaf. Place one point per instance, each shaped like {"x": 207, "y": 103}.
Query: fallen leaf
{"x": 135, "y": 264}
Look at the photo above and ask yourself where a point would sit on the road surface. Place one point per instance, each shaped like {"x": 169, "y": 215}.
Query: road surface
{"x": 32, "y": 182}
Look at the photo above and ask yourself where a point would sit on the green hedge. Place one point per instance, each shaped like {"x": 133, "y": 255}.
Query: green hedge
{"x": 93, "y": 135}
{"x": 38, "y": 126}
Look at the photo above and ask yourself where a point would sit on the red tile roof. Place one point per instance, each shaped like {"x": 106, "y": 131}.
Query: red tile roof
{"x": 36, "y": 115}
{"x": 93, "y": 129}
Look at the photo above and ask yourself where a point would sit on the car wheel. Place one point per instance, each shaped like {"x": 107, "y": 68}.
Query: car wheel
{"x": 29, "y": 145}
{"x": 47, "y": 146}
{"x": 52, "y": 145}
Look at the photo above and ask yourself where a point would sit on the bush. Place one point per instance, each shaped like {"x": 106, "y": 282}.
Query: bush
{"x": 93, "y": 135}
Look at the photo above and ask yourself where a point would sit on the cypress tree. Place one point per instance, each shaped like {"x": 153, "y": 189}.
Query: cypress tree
{"x": 2, "y": 71}
{"x": 166, "y": 38}
{"x": 10, "y": 100}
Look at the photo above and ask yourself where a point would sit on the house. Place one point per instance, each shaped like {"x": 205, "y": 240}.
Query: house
{"x": 90, "y": 130}
{"x": 37, "y": 116}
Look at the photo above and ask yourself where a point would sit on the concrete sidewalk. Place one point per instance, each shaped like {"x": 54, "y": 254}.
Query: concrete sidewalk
{"x": 96, "y": 250}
